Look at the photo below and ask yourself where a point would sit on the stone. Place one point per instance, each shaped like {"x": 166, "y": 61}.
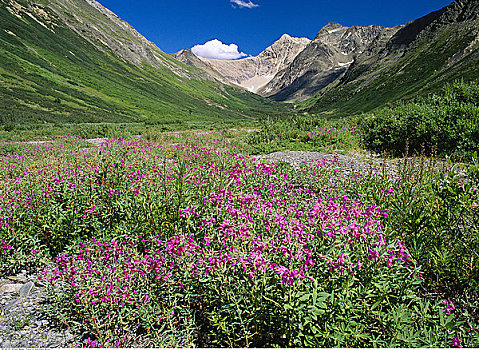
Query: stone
{"x": 10, "y": 304}
{"x": 19, "y": 278}
{"x": 11, "y": 288}
{"x": 26, "y": 289}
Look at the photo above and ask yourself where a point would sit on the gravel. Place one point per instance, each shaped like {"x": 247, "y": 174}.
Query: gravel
{"x": 23, "y": 321}
{"x": 354, "y": 163}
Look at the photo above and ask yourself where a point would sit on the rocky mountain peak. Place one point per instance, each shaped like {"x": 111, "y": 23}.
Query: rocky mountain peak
{"x": 329, "y": 29}
{"x": 323, "y": 60}
{"x": 287, "y": 39}
{"x": 252, "y": 73}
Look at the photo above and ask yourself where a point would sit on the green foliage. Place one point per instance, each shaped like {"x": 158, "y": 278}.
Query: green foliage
{"x": 304, "y": 133}
{"x": 447, "y": 124}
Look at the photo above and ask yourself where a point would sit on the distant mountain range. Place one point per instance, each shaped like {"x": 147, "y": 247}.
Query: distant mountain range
{"x": 346, "y": 70}
{"x": 74, "y": 60}
{"x": 251, "y": 73}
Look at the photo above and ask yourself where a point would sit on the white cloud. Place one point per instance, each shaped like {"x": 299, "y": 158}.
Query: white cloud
{"x": 216, "y": 49}
{"x": 242, "y": 3}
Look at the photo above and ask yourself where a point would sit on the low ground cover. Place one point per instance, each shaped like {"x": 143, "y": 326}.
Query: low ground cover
{"x": 183, "y": 240}
{"x": 305, "y": 133}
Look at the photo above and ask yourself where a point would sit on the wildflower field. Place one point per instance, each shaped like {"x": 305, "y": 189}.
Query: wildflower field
{"x": 186, "y": 240}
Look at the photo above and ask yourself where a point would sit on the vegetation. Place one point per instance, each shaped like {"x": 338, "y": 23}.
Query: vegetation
{"x": 63, "y": 78}
{"x": 304, "y": 132}
{"x": 180, "y": 240}
{"x": 448, "y": 123}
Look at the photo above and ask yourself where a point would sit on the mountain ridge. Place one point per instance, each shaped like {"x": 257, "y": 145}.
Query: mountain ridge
{"x": 75, "y": 61}
{"x": 325, "y": 59}
{"x": 420, "y": 58}
{"x": 251, "y": 73}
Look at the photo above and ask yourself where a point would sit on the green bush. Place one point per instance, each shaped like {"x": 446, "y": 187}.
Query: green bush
{"x": 447, "y": 124}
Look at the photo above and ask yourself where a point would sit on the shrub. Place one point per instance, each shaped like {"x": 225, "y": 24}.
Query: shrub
{"x": 447, "y": 123}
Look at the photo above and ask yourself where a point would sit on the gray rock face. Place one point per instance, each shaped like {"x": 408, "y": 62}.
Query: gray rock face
{"x": 24, "y": 319}
{"x": 250, "y": 73}
{"x": 187, "y": 57}
{"x": 325, "y": 59}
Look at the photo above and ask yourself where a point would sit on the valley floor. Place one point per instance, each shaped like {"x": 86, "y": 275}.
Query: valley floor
{"x": 130, "y": 241}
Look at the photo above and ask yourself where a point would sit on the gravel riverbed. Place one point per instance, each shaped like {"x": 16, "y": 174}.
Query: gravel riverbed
{"x": 364, "y": 163}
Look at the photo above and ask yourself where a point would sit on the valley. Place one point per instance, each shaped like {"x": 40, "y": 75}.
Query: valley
{"x": 323, "y": 193}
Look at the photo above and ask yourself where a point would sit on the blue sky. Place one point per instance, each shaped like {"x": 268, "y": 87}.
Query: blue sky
{"x": 253, "y": 25}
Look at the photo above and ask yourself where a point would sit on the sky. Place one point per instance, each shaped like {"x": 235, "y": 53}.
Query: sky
{"x": 234, "y": 29}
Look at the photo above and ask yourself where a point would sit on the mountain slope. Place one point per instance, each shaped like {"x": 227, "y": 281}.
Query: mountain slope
{"x": 73, "y": 60}
{"x": 419, "y": 59}
{"x": 324, "y": 59}
{"x": 250, "y": 73}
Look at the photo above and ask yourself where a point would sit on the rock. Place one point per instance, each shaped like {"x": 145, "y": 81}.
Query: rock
{"x": 40, "y": 330}
{"x": 10, "y": 304}
{"x": 26, "y": 289}
{"x": 19, "y": 278}
{"x": 250, "y": 73}
{"x": 11, "y": 288}
{"x": 325, "y": 58}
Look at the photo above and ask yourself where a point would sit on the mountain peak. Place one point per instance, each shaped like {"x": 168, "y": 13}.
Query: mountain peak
{"x": 331, "y": 28}
{"x": 287, "y": 39}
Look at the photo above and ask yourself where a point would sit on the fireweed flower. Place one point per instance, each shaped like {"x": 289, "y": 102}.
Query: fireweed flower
{"x": 5, "y": 247}
{"x": 456, "y": 342}
{"x": 91, "y": 343}
{"x": 255, "y": 223}
{"x": 449, "y": 307}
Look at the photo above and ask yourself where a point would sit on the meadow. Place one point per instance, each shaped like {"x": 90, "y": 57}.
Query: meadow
{"x": 186, "y": 240}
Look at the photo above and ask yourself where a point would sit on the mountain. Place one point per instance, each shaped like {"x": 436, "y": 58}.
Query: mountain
{"x": 76, "y": 61}
{"x": 417, "y": 59}
{"x": 251, "y": 73}
{"x": 293, "y": 68}
{"x": 187, "y": 57}
{"x": 322, "y": 61}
